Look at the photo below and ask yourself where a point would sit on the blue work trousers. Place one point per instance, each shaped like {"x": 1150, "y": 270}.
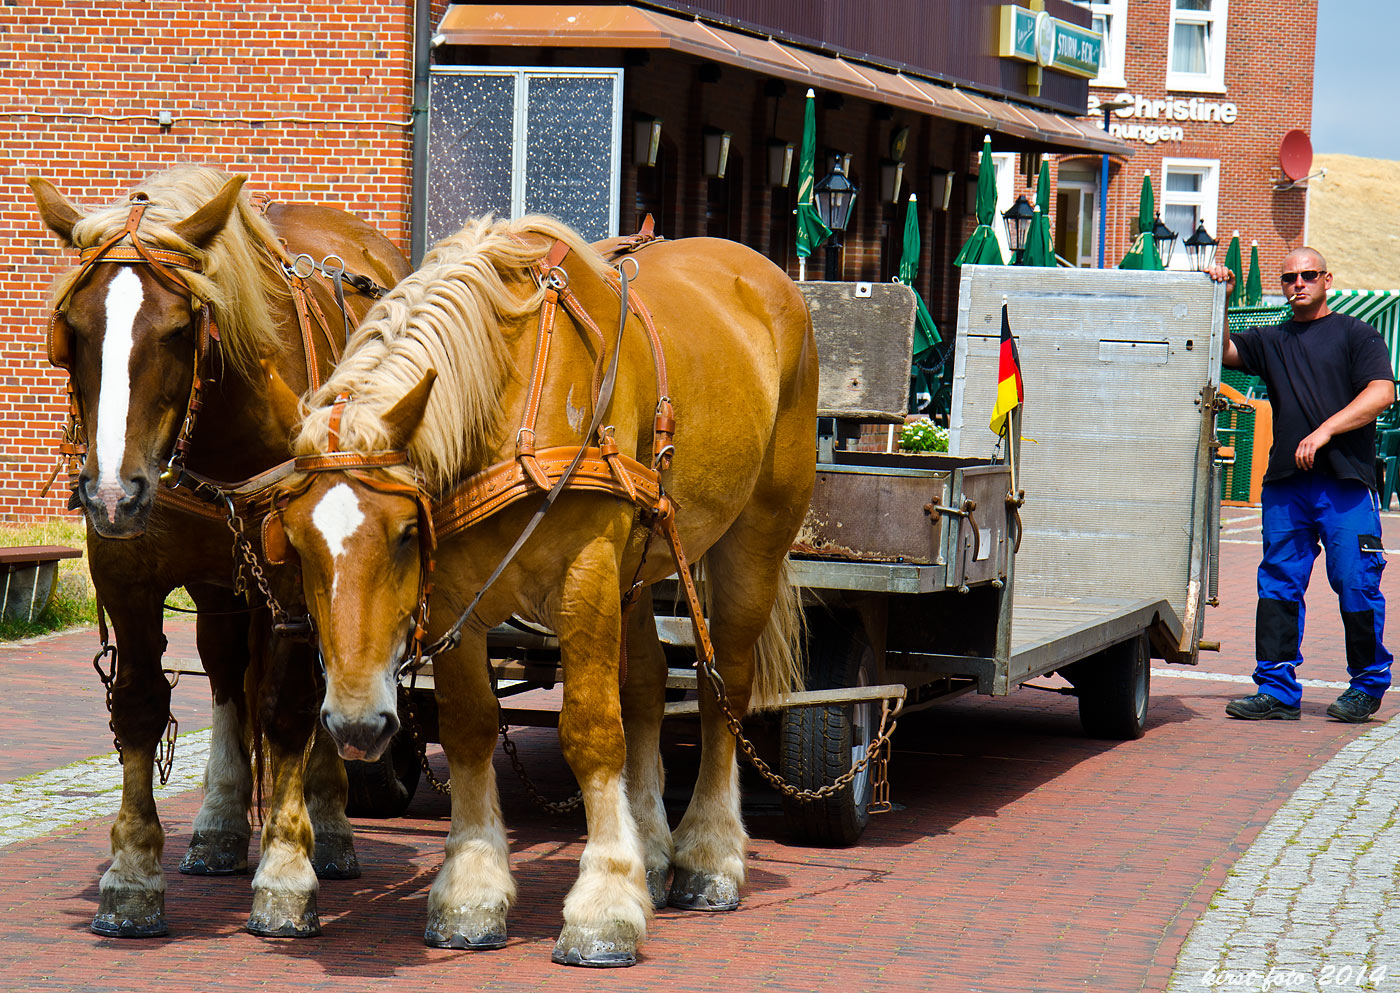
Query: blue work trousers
{"x": 1303, "y": 514}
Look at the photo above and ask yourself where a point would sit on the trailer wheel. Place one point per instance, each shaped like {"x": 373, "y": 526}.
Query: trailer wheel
{"x": 1114, "y": 687}
{"x": 819, "y": 744}
{"x": 385, "y": 787}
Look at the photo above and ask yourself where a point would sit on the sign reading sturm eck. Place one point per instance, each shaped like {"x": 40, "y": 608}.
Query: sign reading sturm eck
{"x": 1035, "y": 36}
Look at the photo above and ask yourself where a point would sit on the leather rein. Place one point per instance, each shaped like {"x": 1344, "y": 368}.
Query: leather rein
{"x": 599, "y": 467}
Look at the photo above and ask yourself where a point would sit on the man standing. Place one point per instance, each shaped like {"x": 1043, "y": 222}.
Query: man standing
{"x": 1328, "y": 377}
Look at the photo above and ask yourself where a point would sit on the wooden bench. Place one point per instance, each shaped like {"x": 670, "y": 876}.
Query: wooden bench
{"x": 29, "y": 572}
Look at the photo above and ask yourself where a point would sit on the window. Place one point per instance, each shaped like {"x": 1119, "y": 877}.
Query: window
{"x": 1190, "y": 192}
{"x": 1110, "y": 19}
{"x": 1076, "y": 216}
{"x": 1005, "y": 164}
{"x": 1196, "y": 45}
{"x": 518, "y": 141}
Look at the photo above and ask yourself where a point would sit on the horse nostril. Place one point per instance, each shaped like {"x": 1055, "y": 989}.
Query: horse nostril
{"x": 136, "y": 490}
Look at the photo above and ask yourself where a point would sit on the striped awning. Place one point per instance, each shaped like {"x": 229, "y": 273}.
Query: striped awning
{"x": 621, "y": 26}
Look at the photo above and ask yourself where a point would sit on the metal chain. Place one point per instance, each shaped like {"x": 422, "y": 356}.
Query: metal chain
{"x": 880, "y": 789}
{"x": 252, "y": 564}
{"x": 165, "y": 749}
{"x": 549, "y": 806}
{"x": 746, "y": 747}
{"x": 420, "y": 743}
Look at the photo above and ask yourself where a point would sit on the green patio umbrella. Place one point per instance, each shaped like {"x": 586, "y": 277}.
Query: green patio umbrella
{"x": 1143, "y": 254}
{"x": 1254, "y": 286}
{"x": 1039, "y": 250}
{"x": 925, "y": 331}
{"x": 811, "y": 232}
{"x": 1042, "y": 203}
{"x": 1232, "y": 262}
{"x": 982, "y": 248}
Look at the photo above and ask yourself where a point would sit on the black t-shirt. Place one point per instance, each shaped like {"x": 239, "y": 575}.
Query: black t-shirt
{"x": 1313, "y": 369}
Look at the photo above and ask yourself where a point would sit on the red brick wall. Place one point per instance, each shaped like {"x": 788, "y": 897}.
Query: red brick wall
{"x": 1269, "y": 77}
{"x": 311, "y": 100}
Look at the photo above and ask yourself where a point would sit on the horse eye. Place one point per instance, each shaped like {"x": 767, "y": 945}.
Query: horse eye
{"x": 408, "y": 535}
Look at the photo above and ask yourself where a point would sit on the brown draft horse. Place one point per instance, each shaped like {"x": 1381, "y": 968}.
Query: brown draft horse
{"x": 442, "y": 366}
{"x": 133, "y": 329}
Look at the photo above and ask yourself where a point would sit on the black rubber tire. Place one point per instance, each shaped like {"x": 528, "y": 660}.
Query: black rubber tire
{"x": 1114, "y": 690}
{"x": 819, "y": 744}
{"x": 384, "y": 788}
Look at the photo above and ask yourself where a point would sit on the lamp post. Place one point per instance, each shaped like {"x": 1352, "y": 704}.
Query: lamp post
{"x": 1018, "y": 224}
{"x": 1200, "y": 248}
{"x": 835, "y": 197}
{"x": 1107, "y": 107}
{"x": 1165, "y": 238}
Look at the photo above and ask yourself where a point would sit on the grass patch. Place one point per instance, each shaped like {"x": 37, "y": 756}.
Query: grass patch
{"x": 73, "y": 603}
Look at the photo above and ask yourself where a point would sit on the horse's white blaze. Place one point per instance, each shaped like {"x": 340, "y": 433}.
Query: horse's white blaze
{"x": 124, "y": 299}
{"x": 337, "y": 516}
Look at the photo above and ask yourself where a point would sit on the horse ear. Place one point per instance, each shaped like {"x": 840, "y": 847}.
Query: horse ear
{"x": 200, "y": 227}
{"x": 405, "y": 416}
{"x": 58, "y": 213}
{"x": 286, "y": 408}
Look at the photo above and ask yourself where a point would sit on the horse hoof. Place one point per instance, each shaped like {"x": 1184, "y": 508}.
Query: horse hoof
{"x": 130, "y": 914}
{"x": 284, "y": 915}
{"x": 607, "y": 947}
{"x": 216, "y": 853}
{"x": 334, "y": 858}
{"x": 691, "y": 890}
{"x": 656, "y": 887}
{"x": 482, "y": 930}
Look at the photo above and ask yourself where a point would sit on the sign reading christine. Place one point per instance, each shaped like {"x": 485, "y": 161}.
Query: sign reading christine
{"x": 1153, "y": 120}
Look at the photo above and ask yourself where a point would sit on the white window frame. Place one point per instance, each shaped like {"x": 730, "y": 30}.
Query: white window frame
{"x": 1115, "y": 40}
{"x": 1005, "y": 165}
{"x": 1213, "y": 79}
{"x": 1208, "y": 200}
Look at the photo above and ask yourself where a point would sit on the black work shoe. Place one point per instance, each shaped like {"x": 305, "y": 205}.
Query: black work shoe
{"x": 1261, "y": 707}
{"x": 1354, "y": 706}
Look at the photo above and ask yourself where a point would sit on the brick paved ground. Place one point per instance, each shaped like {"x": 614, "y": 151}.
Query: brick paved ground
{"x": 1027, "y": 858}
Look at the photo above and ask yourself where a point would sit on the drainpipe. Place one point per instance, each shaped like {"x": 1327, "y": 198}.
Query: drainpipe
{"x": 418, "y": 182}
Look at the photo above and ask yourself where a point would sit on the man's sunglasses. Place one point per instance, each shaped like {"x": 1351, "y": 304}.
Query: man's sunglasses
{"x": 1309, "y": 276}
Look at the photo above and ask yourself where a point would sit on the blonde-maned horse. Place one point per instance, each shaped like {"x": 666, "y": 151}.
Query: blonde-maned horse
{"x": 742, "y": 368}
{"x": 130, "y": 332}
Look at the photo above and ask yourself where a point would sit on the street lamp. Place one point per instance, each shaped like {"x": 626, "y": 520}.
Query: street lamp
{"x": 1200, "y": 248}
{"x": 1107, "y": 107}
{"x": 1165, "y": 238}
{"x": 1018, "y": 224}
{"x": 835, "y": 198}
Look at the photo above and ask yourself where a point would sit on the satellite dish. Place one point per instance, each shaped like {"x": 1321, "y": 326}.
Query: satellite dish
{"x": 1295, "y": 155}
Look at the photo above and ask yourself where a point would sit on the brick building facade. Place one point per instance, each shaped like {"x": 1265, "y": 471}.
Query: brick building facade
{"x": 1212, "y": 86}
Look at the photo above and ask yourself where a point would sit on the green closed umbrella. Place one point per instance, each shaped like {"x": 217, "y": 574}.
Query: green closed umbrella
{"x": 982, "y": 248}
{"x": 811, "y": 231}
{"x": 1232, "y": 262}
{"x": 925, "y": 331}
{"x": 1254, "y": 286}
{"x": 1143, "y": 254}
{"x": 1039, "y": 250}
{"x": 1042, "y": 203}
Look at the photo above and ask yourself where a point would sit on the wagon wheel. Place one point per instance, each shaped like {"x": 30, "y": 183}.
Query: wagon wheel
{"x": 819, "y": 744}
{"x": 1114, "y": 688}
{"x": 383, "y": 788}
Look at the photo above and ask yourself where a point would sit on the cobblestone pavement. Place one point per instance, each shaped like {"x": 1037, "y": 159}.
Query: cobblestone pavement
{"x": 1025, "y": 857}
{"x": 1315, "y": 902}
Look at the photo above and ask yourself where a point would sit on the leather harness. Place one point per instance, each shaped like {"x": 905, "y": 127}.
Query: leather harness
{"x": 183, "y": 489}
{"x": 597, "y": 468}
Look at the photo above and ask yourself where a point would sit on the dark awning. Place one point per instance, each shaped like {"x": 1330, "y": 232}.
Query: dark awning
{"x": 618, "y": 26}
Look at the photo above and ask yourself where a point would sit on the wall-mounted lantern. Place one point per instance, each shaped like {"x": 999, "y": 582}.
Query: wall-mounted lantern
{"x": 646, "y": 139}
{"x": 716, "y": 152}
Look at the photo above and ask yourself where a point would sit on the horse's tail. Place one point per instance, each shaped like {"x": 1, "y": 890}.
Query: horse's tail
{"x": 780, "y": 662}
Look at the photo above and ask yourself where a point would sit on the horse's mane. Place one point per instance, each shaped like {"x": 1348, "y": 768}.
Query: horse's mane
{"x": 241, "y": 273}
{"x": 447, "y": 316}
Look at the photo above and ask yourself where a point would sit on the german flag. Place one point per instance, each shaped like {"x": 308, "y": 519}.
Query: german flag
{"x": 1010, "y": 390}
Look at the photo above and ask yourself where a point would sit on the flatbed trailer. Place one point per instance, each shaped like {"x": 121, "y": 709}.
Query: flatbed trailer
{"x": 926, "y": 576}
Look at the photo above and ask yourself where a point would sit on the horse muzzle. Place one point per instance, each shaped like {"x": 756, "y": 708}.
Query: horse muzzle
{"x": 117, "y": 509}
{"x": 362, "y": 739}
